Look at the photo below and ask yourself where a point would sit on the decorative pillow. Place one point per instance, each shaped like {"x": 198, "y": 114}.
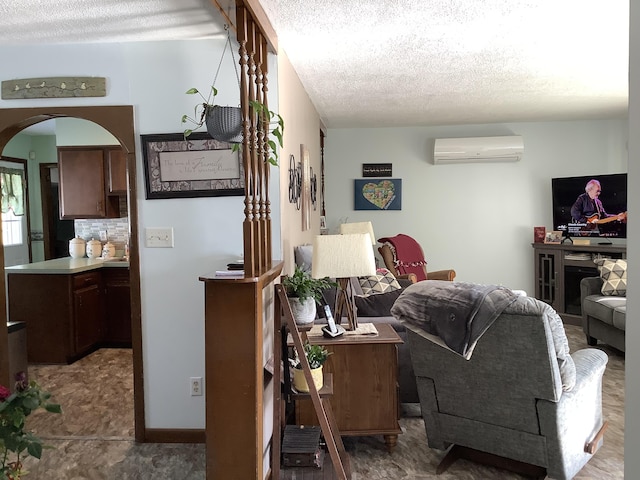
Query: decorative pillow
{"x": 303, "y": 255}
{"x": 614, "y": 276}
{"x": 379, "y": 283}
{"x": 378, "y": 305}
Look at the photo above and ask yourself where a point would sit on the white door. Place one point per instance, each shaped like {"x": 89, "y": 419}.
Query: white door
{"x": 15, "y": 234}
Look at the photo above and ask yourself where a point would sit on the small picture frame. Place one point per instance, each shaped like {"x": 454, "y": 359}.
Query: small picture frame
{"x": 553, "y": 236}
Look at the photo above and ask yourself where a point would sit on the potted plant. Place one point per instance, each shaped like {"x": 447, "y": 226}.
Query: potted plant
{"x": 15, "y": 442}
{"x": 304, "y": 292}
{"x": 225, "y": 123}
{"x": 316, "y": 355}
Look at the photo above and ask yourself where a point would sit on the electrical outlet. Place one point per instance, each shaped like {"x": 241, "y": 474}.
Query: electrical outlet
{"x": 196, "y": 386}
{"x": 103, "y": 235}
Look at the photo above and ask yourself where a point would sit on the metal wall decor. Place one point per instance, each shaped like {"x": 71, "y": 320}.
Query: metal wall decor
{"x": 295, "y": 181}
{"x": 314, "y": 189}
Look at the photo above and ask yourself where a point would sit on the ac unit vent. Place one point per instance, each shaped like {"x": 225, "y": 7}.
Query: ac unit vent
{"x": 478, "y": 149}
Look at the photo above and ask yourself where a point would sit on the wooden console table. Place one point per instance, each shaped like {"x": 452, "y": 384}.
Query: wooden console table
{"x": 365, "y": 384}
{"x": 558, "y": 272}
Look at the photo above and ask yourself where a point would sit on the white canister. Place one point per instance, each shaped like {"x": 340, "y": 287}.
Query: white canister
{"x": 77, "y": 247}
{"x": 94, "y": 248}
{"x": 108, "y": 250}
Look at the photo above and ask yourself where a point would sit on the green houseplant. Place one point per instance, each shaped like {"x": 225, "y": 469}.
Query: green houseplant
{"x": 225, "y": 123}
{"x": 304, "y": 292}
{"x": 316, "y": 355}
{"x": 15, "y": 442}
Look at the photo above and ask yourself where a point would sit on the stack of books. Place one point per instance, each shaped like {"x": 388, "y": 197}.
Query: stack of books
{"x": 234, "y": 269}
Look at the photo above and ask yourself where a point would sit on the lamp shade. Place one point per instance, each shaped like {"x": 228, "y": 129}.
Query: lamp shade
{"x": 359, "y": 227}
{"x": 342, "y": 256}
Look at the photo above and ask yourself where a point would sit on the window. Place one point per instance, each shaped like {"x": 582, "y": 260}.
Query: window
{"x": 11, "y": 229}
{"x": 12, "y": 187}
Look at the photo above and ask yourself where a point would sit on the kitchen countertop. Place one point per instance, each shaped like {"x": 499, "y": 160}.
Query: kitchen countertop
{"x": 67, "y": 265}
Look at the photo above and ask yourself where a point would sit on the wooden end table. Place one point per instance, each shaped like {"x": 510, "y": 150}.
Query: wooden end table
{"x": 365, "y": 384}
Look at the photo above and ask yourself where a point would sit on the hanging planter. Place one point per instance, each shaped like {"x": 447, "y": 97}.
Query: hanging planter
{"x": 224, "y": 123}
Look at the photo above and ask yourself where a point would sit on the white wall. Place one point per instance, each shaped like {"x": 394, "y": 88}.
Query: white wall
{"x": 153, "y": 77}
{"x": 475, "y": 218}
{"x": 302, "y": 126}
{"x": 632, "y": 380}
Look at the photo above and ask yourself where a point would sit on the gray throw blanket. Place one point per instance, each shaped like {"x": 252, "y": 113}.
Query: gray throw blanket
{"x": 458, "y": 313}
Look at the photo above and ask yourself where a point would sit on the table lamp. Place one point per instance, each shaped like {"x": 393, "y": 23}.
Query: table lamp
{"x": 342, "y": 257}
{"x": 359, "y": 227}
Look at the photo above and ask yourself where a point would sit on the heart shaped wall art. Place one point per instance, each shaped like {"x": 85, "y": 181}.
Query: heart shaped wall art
{"x": 378, "y": 194}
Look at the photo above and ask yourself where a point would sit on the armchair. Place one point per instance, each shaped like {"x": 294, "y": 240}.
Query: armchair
{"x": 403, "y": 255}
{"x": 520, "y": 401}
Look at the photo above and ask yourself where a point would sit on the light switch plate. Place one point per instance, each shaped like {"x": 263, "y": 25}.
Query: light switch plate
{"x": 158, "y": 237}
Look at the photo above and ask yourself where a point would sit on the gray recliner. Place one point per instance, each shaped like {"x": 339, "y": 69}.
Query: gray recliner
{"x": 519, "y": 396}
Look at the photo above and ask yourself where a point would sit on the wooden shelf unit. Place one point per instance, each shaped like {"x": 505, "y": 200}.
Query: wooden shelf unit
{"x": 557, "y": 278}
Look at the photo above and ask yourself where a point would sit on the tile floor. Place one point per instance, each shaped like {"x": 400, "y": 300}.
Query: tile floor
{"x": 93, "y": 438}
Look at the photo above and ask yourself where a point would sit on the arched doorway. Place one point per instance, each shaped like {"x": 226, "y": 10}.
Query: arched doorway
{"x": 118, "y": 120}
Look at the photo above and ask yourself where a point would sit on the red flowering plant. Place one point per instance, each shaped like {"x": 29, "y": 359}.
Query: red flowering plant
{"x": 15, "y": 442}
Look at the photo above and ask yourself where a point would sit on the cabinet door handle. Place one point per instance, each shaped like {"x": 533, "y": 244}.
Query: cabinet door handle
{"x": 98, "y": 206}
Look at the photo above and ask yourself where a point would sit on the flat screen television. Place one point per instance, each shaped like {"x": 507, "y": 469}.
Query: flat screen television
{"x": 574, "y": 213}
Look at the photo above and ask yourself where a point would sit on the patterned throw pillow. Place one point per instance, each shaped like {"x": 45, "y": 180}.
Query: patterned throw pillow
{"x": 382, "y": 282}
{"x": 614, "y": 276}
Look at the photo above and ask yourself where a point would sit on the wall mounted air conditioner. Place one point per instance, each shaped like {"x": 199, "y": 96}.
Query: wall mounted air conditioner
{"x": 478, "y": 149}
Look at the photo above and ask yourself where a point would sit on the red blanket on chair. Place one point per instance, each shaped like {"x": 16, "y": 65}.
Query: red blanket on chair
{"x": 408, "y": 256}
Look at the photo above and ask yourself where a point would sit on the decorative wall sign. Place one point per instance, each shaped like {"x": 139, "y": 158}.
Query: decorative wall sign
{"x": 377, "y": 169}
{"x": 54, "y": 87}
{"x": 378, "y": 194}
{"x": 197, "y": 167}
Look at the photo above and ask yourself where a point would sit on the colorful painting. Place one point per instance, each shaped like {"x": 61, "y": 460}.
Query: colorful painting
{"x": 378, "y": 194}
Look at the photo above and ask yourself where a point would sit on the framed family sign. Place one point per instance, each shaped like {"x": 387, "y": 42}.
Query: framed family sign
{"x": 199, "y": 166}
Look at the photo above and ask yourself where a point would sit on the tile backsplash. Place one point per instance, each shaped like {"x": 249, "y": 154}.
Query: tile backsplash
{"x": 117, "y": 231}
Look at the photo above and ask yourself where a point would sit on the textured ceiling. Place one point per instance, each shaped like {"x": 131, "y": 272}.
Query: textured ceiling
{"x": 394, "y": 62}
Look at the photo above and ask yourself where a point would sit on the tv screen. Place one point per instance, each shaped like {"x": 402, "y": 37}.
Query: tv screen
{"x": 591, "y": 205}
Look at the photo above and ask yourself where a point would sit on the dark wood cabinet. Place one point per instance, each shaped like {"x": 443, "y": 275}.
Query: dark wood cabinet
{"x": 117, "y": 307}
{"x": 116, "y": 171}
{"x": 559, "y": 269}
{"x": 87, "y": 315}
{"x": 86, "y": 175}
{"x": 69, "y": 316}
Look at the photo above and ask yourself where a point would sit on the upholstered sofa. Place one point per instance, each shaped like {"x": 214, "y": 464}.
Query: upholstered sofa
{"x": 603, "y": 316}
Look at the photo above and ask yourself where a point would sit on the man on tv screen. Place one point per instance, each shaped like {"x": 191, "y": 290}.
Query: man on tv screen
{"x": 588, "y": 210}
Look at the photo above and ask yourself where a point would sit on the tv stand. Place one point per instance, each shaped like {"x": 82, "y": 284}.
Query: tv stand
{"x": 559, "y": 269}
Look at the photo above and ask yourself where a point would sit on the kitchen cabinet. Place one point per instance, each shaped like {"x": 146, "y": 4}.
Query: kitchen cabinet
{"x": 116, "y": 171}
{"x": 70, "y": 306}
{"x": 87, "y": 174}
{"x": 87, "y": 311}
{"x": 117, "y": 307}
{"x": 64, "y": 314}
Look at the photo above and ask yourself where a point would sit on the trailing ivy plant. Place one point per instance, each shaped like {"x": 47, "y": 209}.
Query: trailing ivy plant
{"x": 272, "y": 118}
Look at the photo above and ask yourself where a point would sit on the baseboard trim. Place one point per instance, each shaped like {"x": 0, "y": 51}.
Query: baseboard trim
{"x": 174, "y": 435}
